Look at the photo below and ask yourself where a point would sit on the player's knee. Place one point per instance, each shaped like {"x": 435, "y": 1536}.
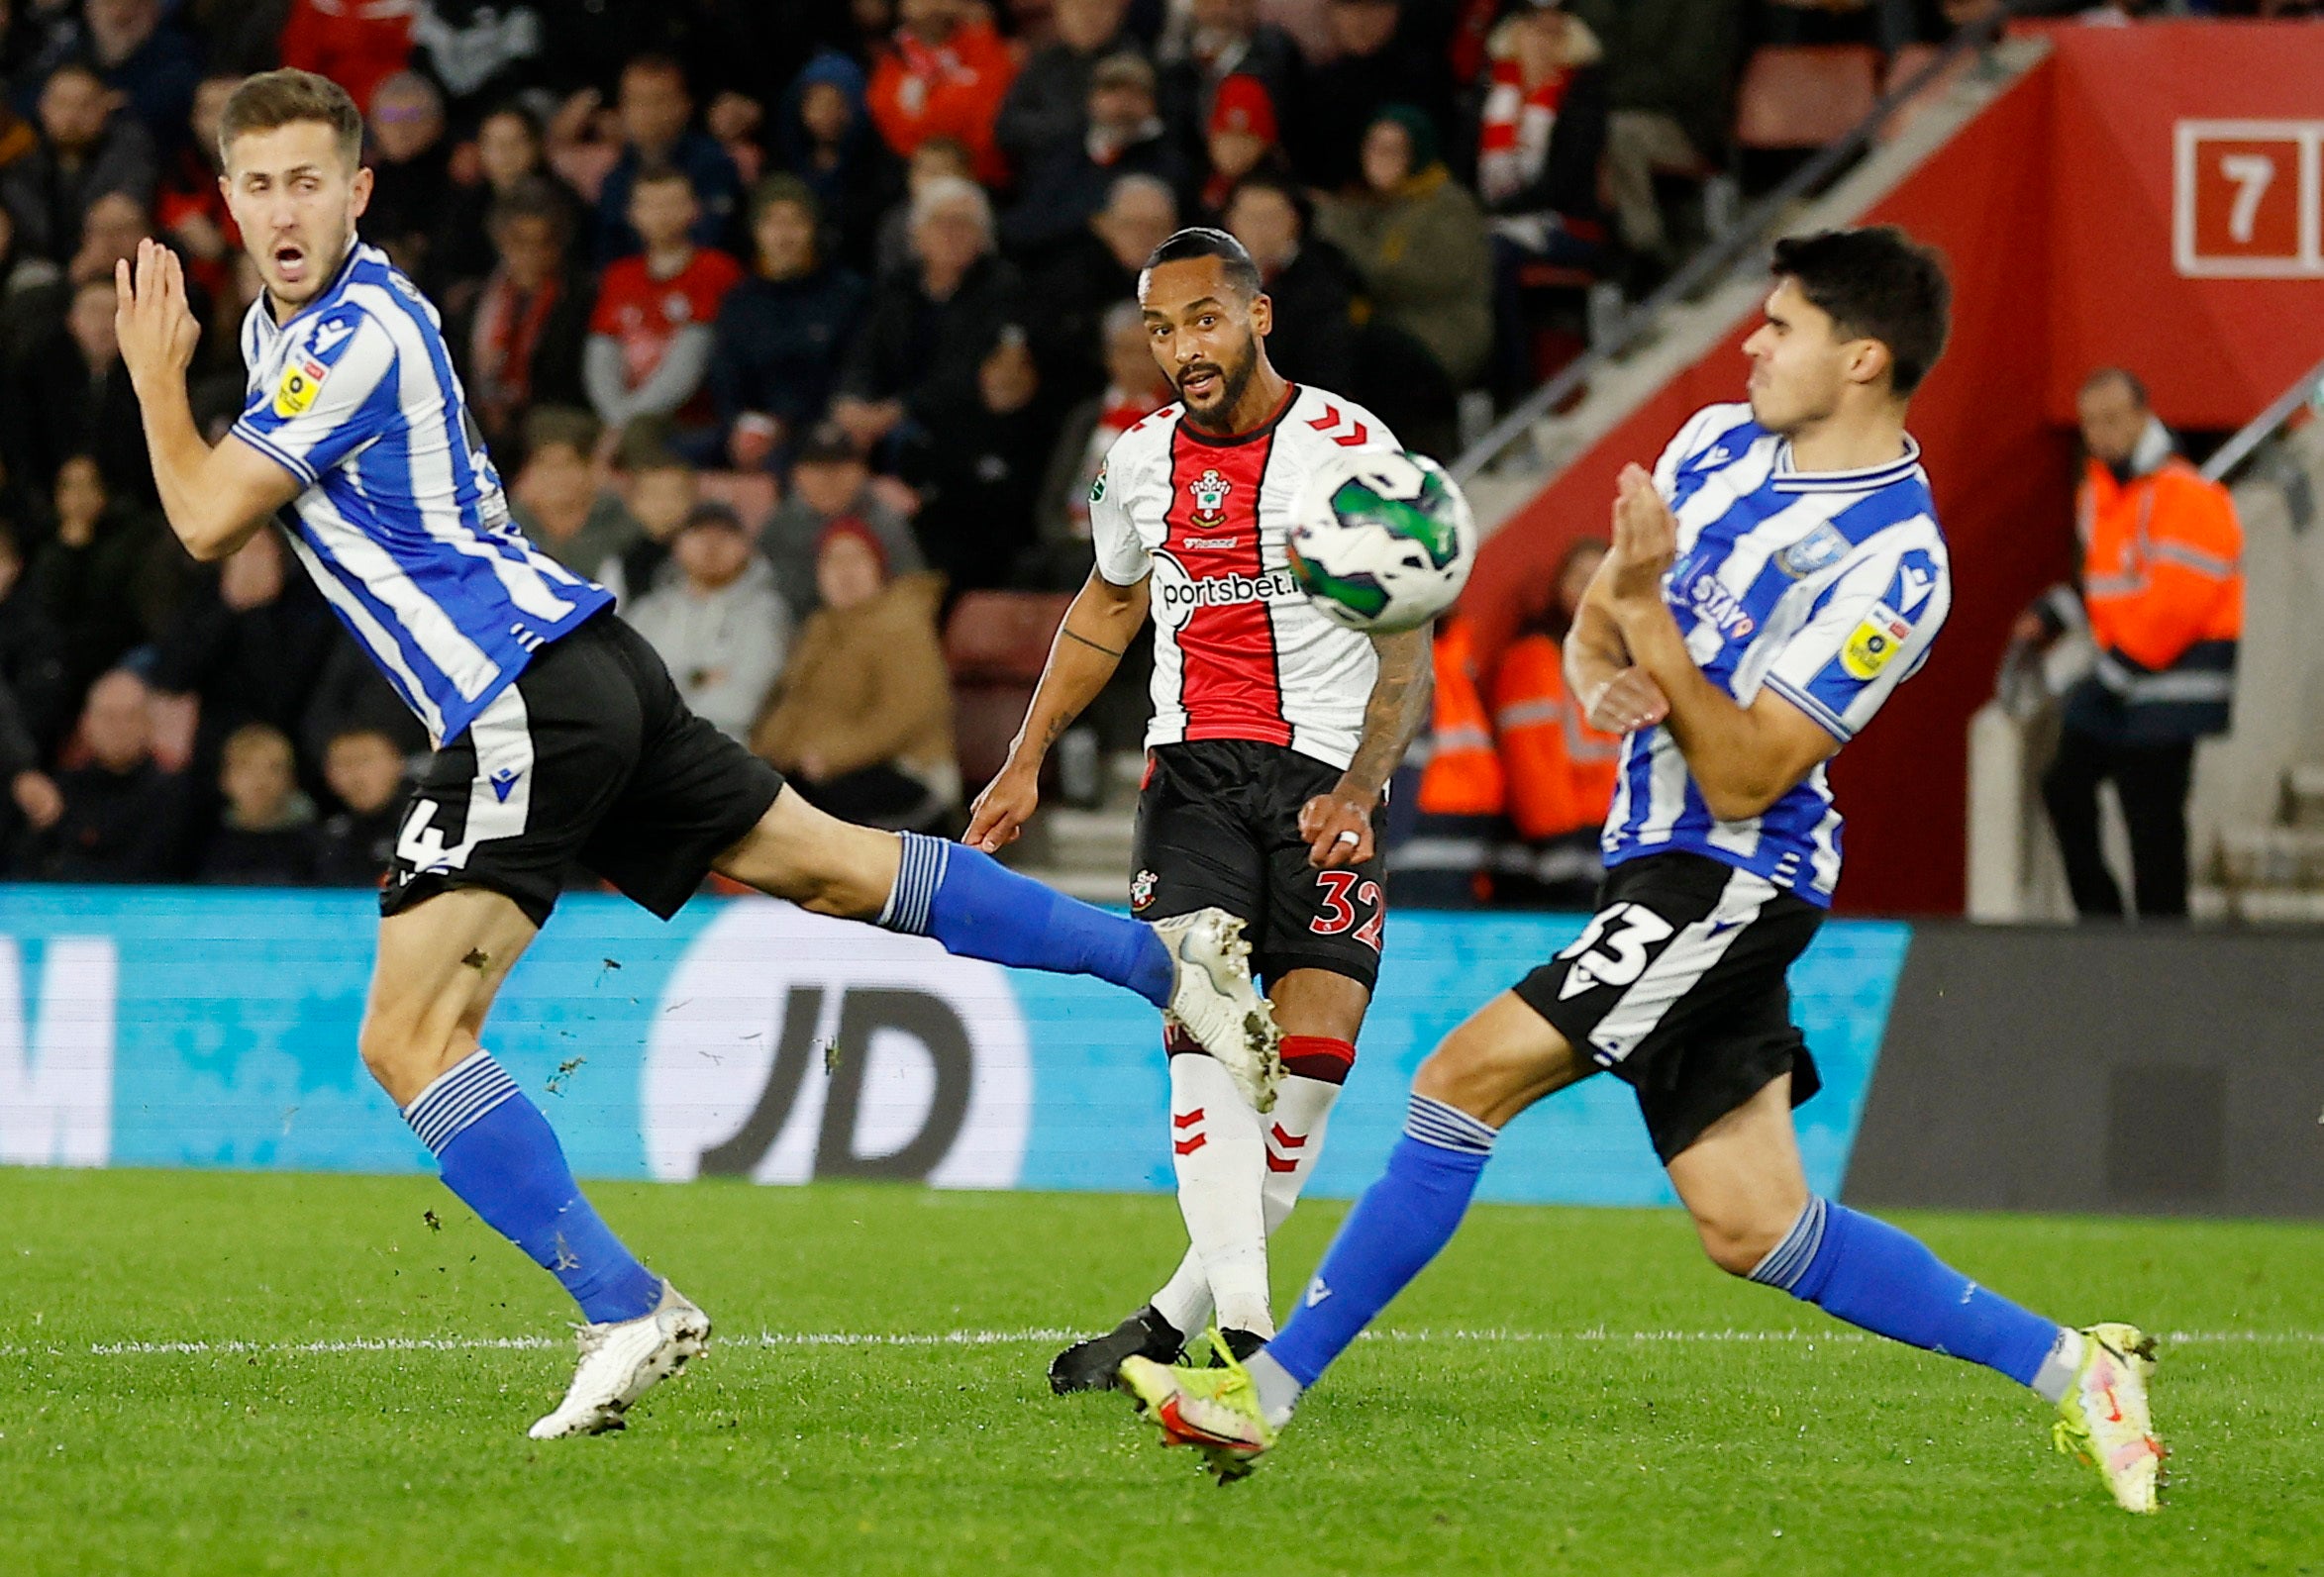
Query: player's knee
{"x": 1464, "y": 1072}
{"x": 1737, "y": 1241}
{"x": 394, "y": 1044}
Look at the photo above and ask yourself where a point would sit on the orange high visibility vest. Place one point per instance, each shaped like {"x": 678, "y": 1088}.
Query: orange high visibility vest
{"x": 1560, "y": 769}
{"x": 1463, "y": 775}
{"x": 2163, "y": 580}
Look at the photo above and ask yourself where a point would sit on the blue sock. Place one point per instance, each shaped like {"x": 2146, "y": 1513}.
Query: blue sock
{"x": 1394, "y": 1230}
{"x": 499, "y": 1155}
{"x": 1874, "y": 1275}
{"x": 980, "y": 909}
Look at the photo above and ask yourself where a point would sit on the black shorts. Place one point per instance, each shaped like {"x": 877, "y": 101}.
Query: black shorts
{"x": 590, "y": 759}
{"x": 1218, "y": 823}
{"x": 1678, "y": 987}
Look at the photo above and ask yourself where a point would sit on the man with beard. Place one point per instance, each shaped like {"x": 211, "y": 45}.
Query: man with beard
{"x": 1274, "y": 734}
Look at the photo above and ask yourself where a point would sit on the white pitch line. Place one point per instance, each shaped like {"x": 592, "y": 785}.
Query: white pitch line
{"x": 1039, "y": 1336}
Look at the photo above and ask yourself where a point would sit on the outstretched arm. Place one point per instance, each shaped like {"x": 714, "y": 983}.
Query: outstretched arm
{"x": 1392, "y": 720}
{"x": 1742, "y": 759}
{"x": 1098, "y": 628}
{"x": 215, "y": 499}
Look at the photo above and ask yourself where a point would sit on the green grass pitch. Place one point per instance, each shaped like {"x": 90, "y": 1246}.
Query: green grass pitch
{"x": 185, "y": 1387}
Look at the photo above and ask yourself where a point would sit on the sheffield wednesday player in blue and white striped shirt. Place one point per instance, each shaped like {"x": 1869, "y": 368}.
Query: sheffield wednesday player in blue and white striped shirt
{"x": 1774, "y": 577}
{"x": 561, "y": 740}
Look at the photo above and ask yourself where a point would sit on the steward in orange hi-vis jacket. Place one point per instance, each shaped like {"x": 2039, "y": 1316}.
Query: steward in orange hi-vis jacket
{"x": 1447, "y": 863}
{"x": 1560, "y": 769}
{"x": 2163, "y": 584}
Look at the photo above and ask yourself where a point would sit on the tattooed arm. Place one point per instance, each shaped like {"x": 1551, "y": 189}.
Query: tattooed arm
{"x": 1398, "y": 711}
{"x": 1099, "y": 628}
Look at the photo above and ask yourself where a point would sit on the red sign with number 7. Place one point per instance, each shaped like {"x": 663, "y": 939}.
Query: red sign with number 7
{"x": 2249, "y": 199}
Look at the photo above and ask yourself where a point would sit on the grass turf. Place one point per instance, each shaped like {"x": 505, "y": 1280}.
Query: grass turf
{"x": 1590, "y": 1447}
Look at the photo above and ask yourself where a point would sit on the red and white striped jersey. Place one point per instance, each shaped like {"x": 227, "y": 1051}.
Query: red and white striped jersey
{"x": 1239, "y": 651}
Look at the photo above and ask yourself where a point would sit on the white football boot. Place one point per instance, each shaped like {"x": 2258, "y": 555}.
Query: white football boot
{"x": 1214, "y": 1000}
{"x": 622, "y": 1359}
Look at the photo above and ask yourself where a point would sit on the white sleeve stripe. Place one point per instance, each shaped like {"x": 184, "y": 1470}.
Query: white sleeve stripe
{"x": 275, "y": 451}
{"x": 1831, "y": 721}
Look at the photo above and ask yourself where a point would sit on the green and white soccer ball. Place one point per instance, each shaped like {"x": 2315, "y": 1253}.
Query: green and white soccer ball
{"x": 1382, "y": 542}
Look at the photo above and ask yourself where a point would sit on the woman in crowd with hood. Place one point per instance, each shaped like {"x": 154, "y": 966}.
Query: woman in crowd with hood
{"x": 823, "y": 136}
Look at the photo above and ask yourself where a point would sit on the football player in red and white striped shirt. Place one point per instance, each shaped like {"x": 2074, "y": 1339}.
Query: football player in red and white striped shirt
{"x": 1273, "y": 736}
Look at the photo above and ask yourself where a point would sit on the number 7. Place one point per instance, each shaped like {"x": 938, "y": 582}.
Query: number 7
{"x": 2252, "y": 175}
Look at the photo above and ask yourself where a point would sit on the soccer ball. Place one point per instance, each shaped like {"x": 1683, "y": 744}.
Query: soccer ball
{"x": 1382, "y": 542}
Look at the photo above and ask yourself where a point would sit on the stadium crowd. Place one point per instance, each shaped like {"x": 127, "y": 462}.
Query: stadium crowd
{"x": 789, "y": 320}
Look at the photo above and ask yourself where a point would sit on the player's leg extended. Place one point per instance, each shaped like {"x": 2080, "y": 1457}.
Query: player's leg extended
{"x": 978, "y": 908}
{"x": 1744, "y": 1185}
{"x": 441, "y": 962}
{"x": 1498, "y": 1063}
{"x": 1226, "y": 1265}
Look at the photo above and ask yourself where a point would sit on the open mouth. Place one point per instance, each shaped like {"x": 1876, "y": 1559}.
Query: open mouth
{"x": 290, "y": 261}
{"x": 1199, "y": 383}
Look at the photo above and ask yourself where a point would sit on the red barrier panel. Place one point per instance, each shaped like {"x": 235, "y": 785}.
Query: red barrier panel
{"x": 2036, "y": 216}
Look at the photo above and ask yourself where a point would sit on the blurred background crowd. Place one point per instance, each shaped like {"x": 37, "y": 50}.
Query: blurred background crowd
{"x": 801, "y": 324}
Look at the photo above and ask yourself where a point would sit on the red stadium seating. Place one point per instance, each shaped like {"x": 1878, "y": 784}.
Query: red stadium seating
{"x": 1803, "y": 96}
{"x": 995, "y": 644}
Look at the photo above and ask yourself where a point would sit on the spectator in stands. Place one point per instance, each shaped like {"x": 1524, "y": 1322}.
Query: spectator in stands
{"x": 931, "y": 324}
{"x": 660, "y": 490}
{"x": 781, "y": 332}
{"x": 1211, "y": 41}
{"x": 976, "y": 459}
{"x": 1371, "y": 66}
{"x": 86, "y": 151}
{"x": 1458, "y": 796}
{"x": 248, "y": 643}
{"x": 1541, "y": 138}
{"x": 1096, "y": 270}
{"x": 824, "y": 137}
{"x": 1670, "y": 90}
{"x": 482, "y": 53}
{"x": 357, "y": 43}
{"x": 189, "y": 205}
{"x": 560, "y": 500}
{"x": 511, "y": 155}
{"x": 122, "y": 818}
{"x": 943, "y": 74}
{"x": 411, "y": 170}
{"x": 73, "y": 397}
{"x": 1243, "y": 141}
{"x": 1048, "y": 104}
{"x": 830, "y": 483}
{"x": 1069, "y": 186}
{"x": 1560, "y": 770}
{"x": 936, "y": 159}
{"x": 110, "y": 576}
{"x": 1309, "y": 282}
{"x": 2162, "y": 586}
{"x": 520, "y": 340}
{"x": 367, "y": 772}
{"x": 649, "y": 339}
{"x": 862, "y": 722}
{"x": 656, "y": 114}
{"x": 265, "y": 835}
{"x": 352, "y": 693}
{"x": 151, "y": 64}
{"x": 33, "y": 800}
{"x": 1134, "y": 389}
{"x": 32, "y": 653}
{"x": 1418, "y": 241}
{"x": 721, "y": 627}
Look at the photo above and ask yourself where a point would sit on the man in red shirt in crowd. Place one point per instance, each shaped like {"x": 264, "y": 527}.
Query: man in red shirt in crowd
{"x": 649, "y": 340}
{"x": 944, "y": 74}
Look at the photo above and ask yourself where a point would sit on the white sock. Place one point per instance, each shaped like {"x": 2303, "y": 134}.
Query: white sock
{"x": 1277, "y": 1392}
{"x": 1293, "y": 1131}
{"x": 1221, "y": 1160}
{"x": 2056, "y": 1376}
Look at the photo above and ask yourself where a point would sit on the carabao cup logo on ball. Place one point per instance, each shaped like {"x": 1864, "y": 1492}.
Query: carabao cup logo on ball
{"x": 791, "y": 1046}
{"x": 1382, "y": 542}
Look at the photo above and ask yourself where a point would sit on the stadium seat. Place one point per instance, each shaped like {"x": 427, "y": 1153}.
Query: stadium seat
{"x": 1002, "y": 636}
{"x": 751, "y": 495}
{"x": 995, "y": 644}
{"x": 1804, "y": 96}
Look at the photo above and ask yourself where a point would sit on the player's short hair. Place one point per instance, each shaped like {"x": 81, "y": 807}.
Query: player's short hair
{"x": 286, "y": 97}
{"x": 2099, "y": 377}
{"x": 1200, "y": 240}
{"x": 1877, "y": 283}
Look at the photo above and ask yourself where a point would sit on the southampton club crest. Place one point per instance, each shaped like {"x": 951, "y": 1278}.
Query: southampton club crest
{"x": 1141, "y": 889}
{"x": 1210, "y": 492}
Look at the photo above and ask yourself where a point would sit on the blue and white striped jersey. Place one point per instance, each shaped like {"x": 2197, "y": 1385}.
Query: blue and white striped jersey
{"x": 1826, "y": 587}
{"x": 403, "y": 524}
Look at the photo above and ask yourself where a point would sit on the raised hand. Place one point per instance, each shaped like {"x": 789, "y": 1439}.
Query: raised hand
{"x": 1646, "y": 539}
{"x": 156, "y": 327}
